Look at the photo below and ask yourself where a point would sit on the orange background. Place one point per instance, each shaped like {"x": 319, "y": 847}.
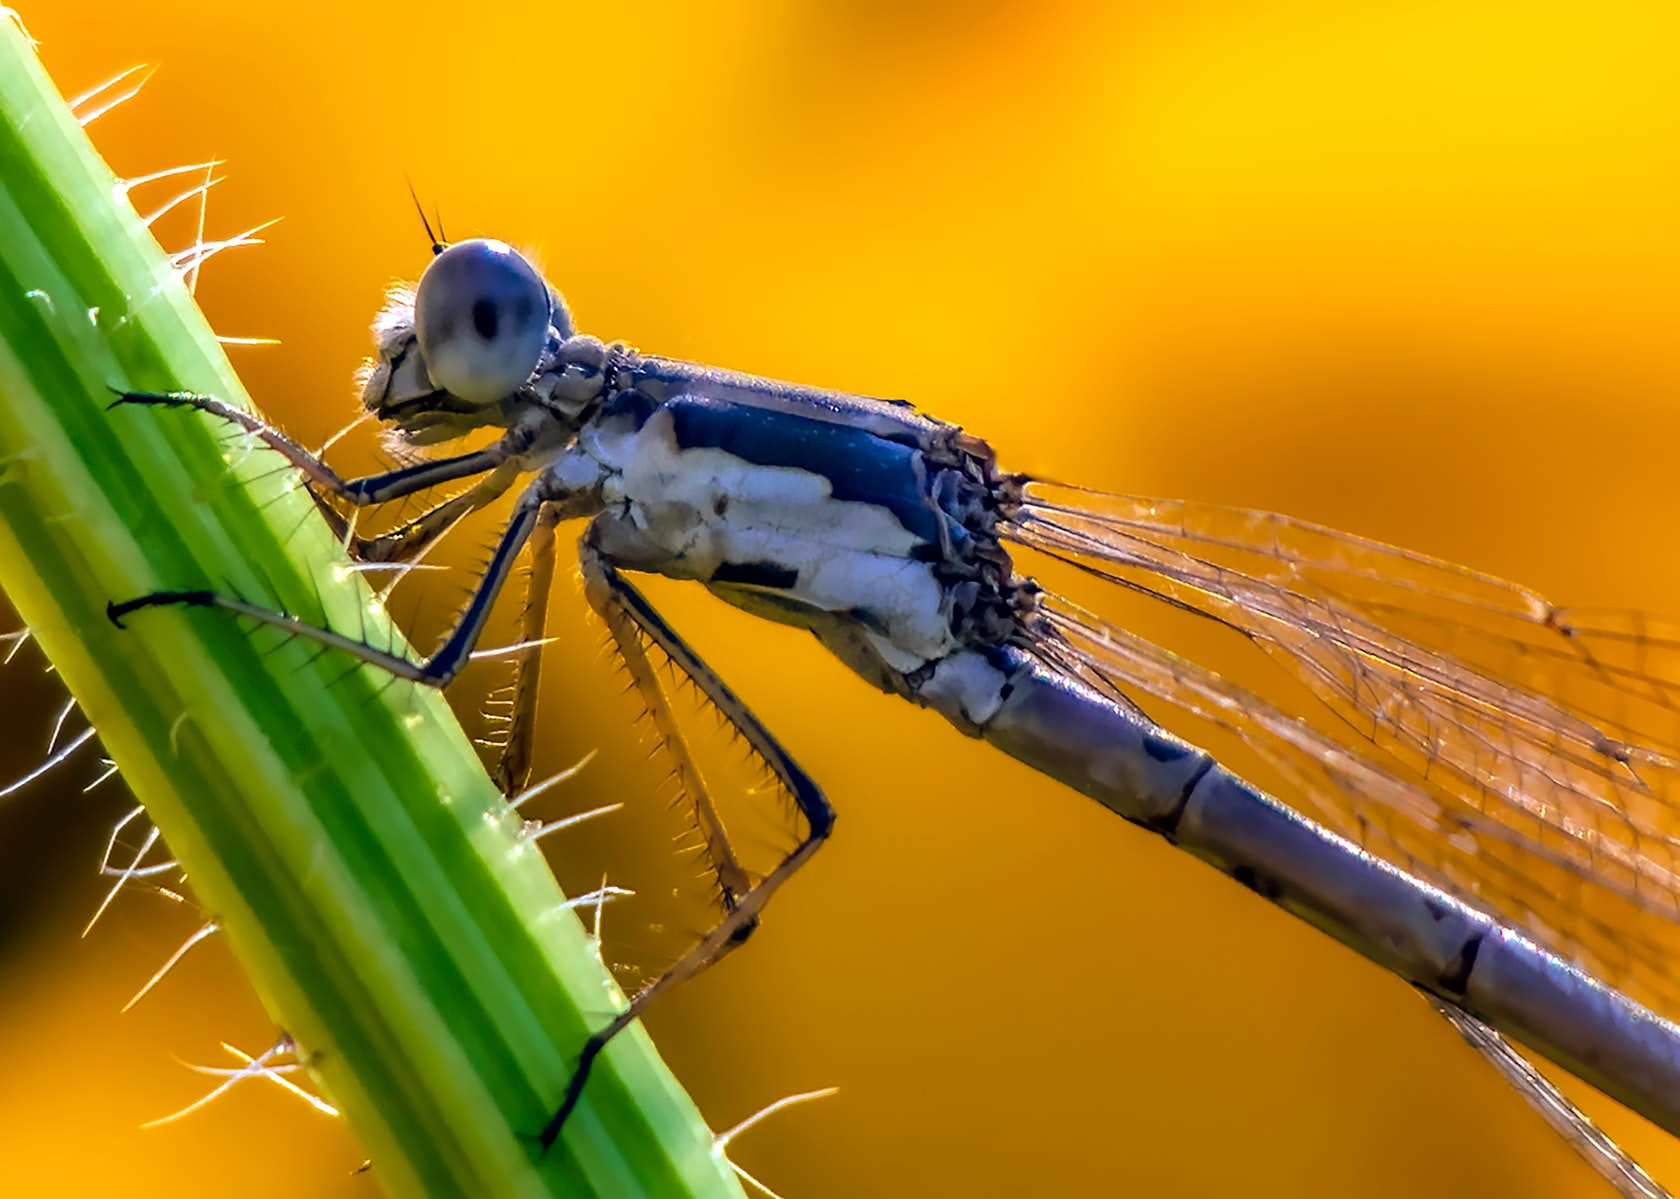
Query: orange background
{"x": 1408, "y": 269}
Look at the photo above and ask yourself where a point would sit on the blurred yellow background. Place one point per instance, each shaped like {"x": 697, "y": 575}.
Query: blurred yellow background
{"x": 1408, "y": 269}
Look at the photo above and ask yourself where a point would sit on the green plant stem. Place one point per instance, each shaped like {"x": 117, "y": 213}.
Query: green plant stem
{"x": 341, "y": 829}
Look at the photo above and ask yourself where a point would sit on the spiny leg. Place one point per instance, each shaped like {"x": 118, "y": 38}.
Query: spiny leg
{"x": 408, "y": 541}
{"x": 600, "y": 589}
{"x": 611, "y": 594}
{"x": 446, "y": 663}
{"x": 400, "y": 544}
{"x": 371, "y": 489}
{"x": 513, "y": 766}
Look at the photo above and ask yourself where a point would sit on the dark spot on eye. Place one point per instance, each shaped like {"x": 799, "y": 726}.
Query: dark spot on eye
{"x": 720, "y": 505}
{"x": 484, "y": 318}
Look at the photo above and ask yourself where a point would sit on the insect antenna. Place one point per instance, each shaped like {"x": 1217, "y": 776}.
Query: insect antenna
{"x": 439, "y": 245}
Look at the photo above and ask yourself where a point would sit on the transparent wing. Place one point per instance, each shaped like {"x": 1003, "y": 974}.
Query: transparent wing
{"x": 1518, "y": 755}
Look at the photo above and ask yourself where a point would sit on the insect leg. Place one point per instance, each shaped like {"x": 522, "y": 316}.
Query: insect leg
{"x": 602, "y": 588}
{"x": 446, "y": 663}
{"x": 372, "y": 489}
{"x": 513, "y": 767}
{"x": 407, "y": 541}
{"x": 622, "y": 605}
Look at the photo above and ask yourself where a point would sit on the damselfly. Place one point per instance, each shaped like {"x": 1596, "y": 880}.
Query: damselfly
{"x": 1487, "y": 809}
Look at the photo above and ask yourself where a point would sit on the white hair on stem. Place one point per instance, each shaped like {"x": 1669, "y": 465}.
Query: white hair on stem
{"x": 275, "y": 1075}
{"x": 600, "y": 896}
{"x": 63, "y": 755}
{"x": 196, "y": 255}
{"x": 122, "y": 187}
{"x": 203, "y": 189}
{"x": 101, "y": 103}
{"x": 58, "y": 725}
{"x": 131, "y": 871}
{"x": 553, "y": 780}
{"x": 198, "y": 191}
{"x": 720, "y": 1142}
{"x": 17, "y": 20}
{"x": 260, "y": 1066}
{"x": 110, "y": 772}
{"x": 536, "y": 830}
{"x": 205, "y": 931}
{"x": 14, "y": 642}
{"x": 136, "y": 867}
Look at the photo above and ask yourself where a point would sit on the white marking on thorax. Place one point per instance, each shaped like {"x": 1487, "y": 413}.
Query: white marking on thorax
{"x": 704, "y": 507}
{"x": 576, "y": 471}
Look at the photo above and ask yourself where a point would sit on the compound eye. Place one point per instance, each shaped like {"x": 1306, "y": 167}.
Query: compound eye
{"x": 481, "y": 314}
